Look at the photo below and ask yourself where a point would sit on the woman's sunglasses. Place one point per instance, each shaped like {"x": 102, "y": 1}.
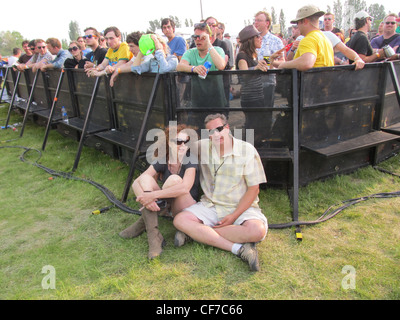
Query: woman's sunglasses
{"x": 180, "y": 141}
{"x": 73, "y": 49}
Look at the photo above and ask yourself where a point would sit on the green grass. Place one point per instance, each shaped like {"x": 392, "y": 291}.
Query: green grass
{"x": 49, "y": 222}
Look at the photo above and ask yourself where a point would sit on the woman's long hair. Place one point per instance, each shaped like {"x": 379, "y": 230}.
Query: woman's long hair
{"x": 249, "y": 47}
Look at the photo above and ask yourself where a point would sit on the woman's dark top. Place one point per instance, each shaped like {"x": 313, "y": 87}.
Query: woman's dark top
{"x": 70, "y": 63}
{"x": 188, "y": 162}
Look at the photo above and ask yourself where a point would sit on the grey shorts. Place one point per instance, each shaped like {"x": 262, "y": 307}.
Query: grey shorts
{"x": 209, "y": 215}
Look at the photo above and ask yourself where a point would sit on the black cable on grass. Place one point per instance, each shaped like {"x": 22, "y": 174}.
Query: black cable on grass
{"x": 327, "y": 215}
{"x": 66, "y": 175}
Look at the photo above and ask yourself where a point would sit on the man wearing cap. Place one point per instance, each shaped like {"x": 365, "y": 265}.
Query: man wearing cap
{"x": 315, "y": 50}
{"x": 389, "y": 36}
{"x": 359, "y": 42}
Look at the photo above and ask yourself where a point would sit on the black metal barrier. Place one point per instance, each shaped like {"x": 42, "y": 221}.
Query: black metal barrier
{"x": 307, "y": 125}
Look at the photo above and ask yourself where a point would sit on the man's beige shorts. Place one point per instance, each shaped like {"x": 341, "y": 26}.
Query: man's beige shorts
{"x": 209, "y": 215}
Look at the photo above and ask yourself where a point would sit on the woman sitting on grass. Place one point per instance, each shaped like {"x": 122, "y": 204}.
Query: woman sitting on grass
{"x": 178, "y": 173}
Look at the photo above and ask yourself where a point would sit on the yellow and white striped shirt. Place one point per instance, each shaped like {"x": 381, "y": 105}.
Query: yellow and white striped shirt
{"x": 225, "y": 180}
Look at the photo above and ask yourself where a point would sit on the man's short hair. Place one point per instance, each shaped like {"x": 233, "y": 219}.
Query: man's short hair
{"x": 330, "y": 14}
{"x": 16, "y": 51}
{"x": 390, "y": 15}
{"x": 203, "y": 27}
{"x": 267, "y": 16}
{"x": 165, "y": 21}
{"x": 25, "y": 42}
{"x": 112, "y": 29}
{"x": 96, "y": 33}
{"x": 38, "y": 41}
{"x": 134, "y": 37}
{"x": 54, "y": 42}
{"x": 212, "y": 117}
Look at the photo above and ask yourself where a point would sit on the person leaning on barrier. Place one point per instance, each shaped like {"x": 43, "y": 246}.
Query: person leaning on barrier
{"x": 193, "y": 60}
{"x": 55, "y": 48}
{"x": 338, "y": 46}
{"x": 177, "y": 170}
{"x": 359, "y": 42}
{"x": 117, "y": 55}
{"x": 315, "y": 50}
{"x": 159, "y": 61}
{"x": 78, "y": 59}
{"x": 228, "y": 216}
{"x": 29, "y": 47}
{"x": 133, "y": 43}
{"x": 389, "y": 37}
{"x": 40, "y": 53}
{"x": 214, "y": 27}
{"x": 97, "y": 53}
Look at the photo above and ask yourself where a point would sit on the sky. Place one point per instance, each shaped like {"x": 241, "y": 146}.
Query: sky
{"x": 52, "y": 20}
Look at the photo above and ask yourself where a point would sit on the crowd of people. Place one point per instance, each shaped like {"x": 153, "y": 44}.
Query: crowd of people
{"x": 227, "y": 215}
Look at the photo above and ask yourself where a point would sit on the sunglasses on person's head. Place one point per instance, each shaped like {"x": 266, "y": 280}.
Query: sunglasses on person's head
{"x": 73, "y": 49}
{"x": 219, "y": 129}
{"x": 89, "y": 36}
{"x": 390, "y": 22}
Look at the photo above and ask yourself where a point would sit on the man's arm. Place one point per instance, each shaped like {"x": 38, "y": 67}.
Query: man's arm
{"x": 244, "y": 203}
{"x": 302, "y": 63}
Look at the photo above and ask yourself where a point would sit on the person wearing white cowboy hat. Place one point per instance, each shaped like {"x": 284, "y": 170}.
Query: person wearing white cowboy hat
{"x": 315, "y": 50}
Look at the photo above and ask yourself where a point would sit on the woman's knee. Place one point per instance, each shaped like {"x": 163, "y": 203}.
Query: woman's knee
{"x": 172, "y": 180}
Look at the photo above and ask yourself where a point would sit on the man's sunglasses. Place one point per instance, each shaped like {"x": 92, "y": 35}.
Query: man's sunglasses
{"x": 390, "y": 22}
{"x": 41, "y": 47}
{"x": 219, "y": 129}
{"x": 89, "y": 36}
{"x": 73, "y": 49}
{"x": 196, "y": 37}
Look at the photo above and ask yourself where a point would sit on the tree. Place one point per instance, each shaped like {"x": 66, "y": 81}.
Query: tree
{"x": 273, "y": 15}
{"x": 74, "y": 31}
{"x": 283, "y": 24}
{"x": 338, "y": 12}
{"x": 8, "y": 41}
{"x": 377, "y": 11}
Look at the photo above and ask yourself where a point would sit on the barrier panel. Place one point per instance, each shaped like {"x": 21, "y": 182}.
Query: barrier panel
{"x": 339, "y": 131}
{"x": 260, "y": 109}
{"x": 342, "y": 119}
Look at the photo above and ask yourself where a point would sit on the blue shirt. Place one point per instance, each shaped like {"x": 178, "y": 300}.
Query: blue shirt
{"x": 157, "y": 64}
{"x": 60, "y": 58}
{"x": 269, "y": 45}
{"x": 177, "y": 46}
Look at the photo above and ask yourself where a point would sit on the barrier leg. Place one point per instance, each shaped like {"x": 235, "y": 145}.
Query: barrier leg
{"x": 5, "y": 79}
{"x": 86, "y": 123}
{"x": 13, "y": 98}
{"x": 29, "y": 103}
{"x": 395, "y": 80}
{"x": 140, "y": 138}
{"x": 60, "y": 80}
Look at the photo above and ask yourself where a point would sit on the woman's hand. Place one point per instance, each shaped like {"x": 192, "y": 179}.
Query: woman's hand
{"x": 262, "y": 65}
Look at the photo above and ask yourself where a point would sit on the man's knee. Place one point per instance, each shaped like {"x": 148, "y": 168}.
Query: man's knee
{"x": 256, "y": 230}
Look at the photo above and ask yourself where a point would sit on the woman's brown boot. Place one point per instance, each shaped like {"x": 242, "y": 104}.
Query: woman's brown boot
{"x": 154, "y": 236}
{"x": 134, "y": 230}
